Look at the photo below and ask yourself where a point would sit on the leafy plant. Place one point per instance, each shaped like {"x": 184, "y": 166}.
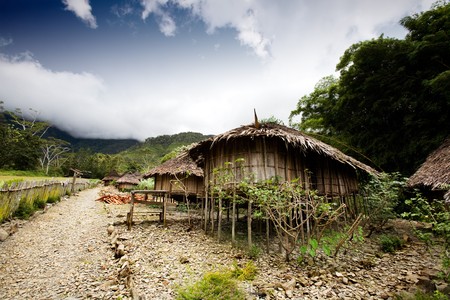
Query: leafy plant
{"x": 438, "y": 216}
{"x": 390, "y": 243}
{"x": 382, "y": 195}
{"x": 219, "y": 285}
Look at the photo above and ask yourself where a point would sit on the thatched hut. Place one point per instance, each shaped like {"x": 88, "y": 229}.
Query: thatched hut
{"x": 433, "y": 176}
{"x": 180, "y": 176}
{"x": 270, "y": 150}
{"x": 128, "y": 181}
{"x": 112, "y": 176}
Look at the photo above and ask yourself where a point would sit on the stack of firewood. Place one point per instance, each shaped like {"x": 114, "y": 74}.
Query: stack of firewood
{"x": 115, "y": 198}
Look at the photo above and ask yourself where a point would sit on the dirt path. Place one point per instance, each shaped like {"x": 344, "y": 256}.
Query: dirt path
{"x": 65, "y": 253}
{"x": 58, "y": 254}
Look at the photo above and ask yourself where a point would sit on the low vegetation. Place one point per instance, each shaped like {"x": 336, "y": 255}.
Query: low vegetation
{"x": 222, "y": 284}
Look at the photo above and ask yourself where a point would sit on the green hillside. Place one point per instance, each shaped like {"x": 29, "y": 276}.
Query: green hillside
{"x": 146, "y": 155}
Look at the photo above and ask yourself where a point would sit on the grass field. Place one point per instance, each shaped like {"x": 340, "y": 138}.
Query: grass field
{"x": 10, "y": 176}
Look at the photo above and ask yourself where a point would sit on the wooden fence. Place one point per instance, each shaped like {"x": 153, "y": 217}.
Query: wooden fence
{"x": 29, "y": 193}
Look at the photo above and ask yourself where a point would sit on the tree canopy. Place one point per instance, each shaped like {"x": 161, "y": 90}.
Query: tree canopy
{"x": 392, "y": 98}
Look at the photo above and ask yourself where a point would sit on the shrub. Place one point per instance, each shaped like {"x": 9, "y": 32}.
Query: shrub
{"x": 213, "y": 286}
{"x": 25, "y": 210}
{"x": 382, "y": 196}
{"x": 219, "y": 285}
{"x": 390, "y": 243}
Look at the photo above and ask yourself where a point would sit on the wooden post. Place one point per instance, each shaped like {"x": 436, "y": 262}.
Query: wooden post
{"x": 130, "y": 213}
{"x": 249, "y": 224}
{"x": 219, "y": 221}
{"x": 233, "y": 220}
{"x": 206, "y": 211}
{"x": 164, "y": 208}
{"x": 267, "y": 235}
{"x": 212, "y": 215}
{"x": 201, "y": 211}
{"x": 228, "y": 210}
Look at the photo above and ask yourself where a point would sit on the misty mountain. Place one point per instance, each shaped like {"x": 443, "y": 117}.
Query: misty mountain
{"x": 107, "y": 146}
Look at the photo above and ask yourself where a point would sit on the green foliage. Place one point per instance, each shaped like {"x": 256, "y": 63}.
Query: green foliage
{"x": 310, "y": 248}
{"x": 420, "y": 295}
{"x": 146, "y": 184}
{"x": 247, "y": 273}
{"x": 219, "y": 285}
{"x": 437, "y": 214}
{"x": 254, "y": 251}
{"x": 391, "y": 100}
{"x": 25, "y": 210}
{"x": 390, "y": 243}
{"x": 382, "y": 195}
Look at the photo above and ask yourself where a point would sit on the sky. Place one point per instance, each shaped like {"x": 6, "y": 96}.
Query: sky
{"x": 143, "y": 68}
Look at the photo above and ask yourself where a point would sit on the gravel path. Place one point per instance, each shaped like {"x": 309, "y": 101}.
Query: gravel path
{"x": 66, "y": 253}
{"x": 62, "y": 253}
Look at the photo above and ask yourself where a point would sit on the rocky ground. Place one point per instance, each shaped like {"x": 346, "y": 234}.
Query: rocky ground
{"x": 81, "y": 249}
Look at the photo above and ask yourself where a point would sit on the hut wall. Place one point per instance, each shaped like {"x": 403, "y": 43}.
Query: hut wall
{"x": 194, "y": 184}
{"x": 265, "y": 158}
{"x": 126, "y": 186}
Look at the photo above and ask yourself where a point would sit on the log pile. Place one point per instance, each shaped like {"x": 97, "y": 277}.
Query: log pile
{"x": 115, "y": 198}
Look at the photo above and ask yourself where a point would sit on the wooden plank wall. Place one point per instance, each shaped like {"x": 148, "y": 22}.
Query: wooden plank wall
{"x": 194, "y": 184}
{"x": 266, "y": 158}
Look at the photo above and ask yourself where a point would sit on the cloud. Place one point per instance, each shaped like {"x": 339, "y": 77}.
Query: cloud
{"x": 5, "y": 42}
{"x": 165, "y": 22}
{"x": 236, "y": 14}
{"x": 82, "y": 10}
{"x": 71, "y": 101}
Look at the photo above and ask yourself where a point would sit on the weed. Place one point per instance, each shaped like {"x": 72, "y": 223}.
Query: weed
{"x": 420, "y": 295}
{"x": 39, "y": 204}
{"x": 254, "y": 251}
{"x": 219, "y": 285}
{"x": 390, "y": 243}
{"x": 25, "y": 210}
{"x": 213, "y": 286}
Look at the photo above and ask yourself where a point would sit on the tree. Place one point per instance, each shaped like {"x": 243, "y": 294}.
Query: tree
{"x": 52, "y": 151}
{"x": 392, "y": 100}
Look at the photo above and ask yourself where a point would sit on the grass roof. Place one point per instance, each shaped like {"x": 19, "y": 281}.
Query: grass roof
{"x": 435, "y": 171}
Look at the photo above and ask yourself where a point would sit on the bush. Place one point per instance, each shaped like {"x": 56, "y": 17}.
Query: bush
{"x": 390, "y": 243}
{"x": 419, "y": 295}
{"x": 25, "y": 210}
{"x": 219, "y": 285}
{"x": 213, "y": 286}
{"x": 382, "y": 196}
{"x": 146, "y": 184}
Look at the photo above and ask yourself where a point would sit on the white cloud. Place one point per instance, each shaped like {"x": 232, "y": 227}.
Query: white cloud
{"x": 165, "y": 22}
{"x": 236, "y": 14}
{"x": 83, "y": 10}
{"x": 75, "y": 102}
{"x": 5, "y": 42}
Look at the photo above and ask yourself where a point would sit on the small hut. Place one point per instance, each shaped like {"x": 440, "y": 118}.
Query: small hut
{"x": 270, "y": 149}
{"x": 433, "y": 176}
{"x": 180, "y": 176}
{"x": 112, "y": 176}
{"x": 128, "y": 181}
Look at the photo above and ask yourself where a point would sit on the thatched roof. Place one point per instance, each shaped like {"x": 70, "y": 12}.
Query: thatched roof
{"x": 434, "y": 173}
{"x": 113, "y": 175}
{"x": 181, "y": 164}
{"x": 291, "y": 137}
{"x": 130, "y": 178}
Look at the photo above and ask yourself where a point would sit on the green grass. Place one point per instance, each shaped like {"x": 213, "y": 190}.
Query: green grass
{"x": 219, "y": 285}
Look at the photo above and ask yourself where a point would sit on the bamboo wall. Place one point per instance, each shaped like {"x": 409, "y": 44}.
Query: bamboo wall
{"x": 30, "y": 191}
{"x": 266, "y": 157}
{"x": 193, "y": 184}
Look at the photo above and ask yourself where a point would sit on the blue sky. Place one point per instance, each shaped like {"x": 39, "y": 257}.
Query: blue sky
{"x": 142, "y": 68}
